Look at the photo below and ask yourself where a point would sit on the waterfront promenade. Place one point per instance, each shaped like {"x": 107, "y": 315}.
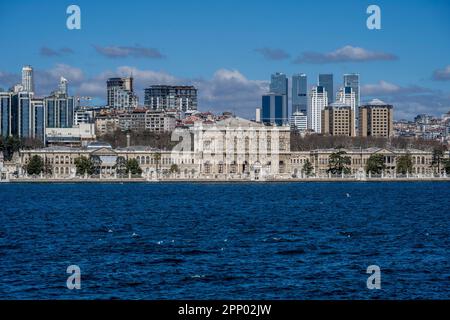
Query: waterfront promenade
{"x": 349, "y": 178}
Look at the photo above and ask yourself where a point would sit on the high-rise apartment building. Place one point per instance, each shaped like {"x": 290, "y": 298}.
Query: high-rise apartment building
{"x": 120, "y": 94}
{"x": 299, "y": 93}
{"x": 299, "y": 121}
{"x": 347, "y": 96}
{"x": 164, "y": 97}
{"x": 318, "y": 100}
{"x": 338, "y": 120}
{"x": 376, "y": 119}
{"x": 326, "y": 81}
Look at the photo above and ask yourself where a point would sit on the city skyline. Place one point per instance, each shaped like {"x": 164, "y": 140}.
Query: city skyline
{"x": 412, "y": 79}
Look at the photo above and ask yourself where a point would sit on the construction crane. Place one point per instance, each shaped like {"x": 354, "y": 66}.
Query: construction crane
{"x": 79, "y": 98}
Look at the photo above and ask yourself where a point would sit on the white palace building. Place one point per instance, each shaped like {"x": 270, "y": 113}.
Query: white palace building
{"x": 231, "y": 149}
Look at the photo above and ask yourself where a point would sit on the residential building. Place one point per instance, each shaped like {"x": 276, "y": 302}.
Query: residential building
{"x": 347, "y": 96}
{"x": 376, "y": 119}
{"x": 338, "y": 119}
{"x": 159, "y": 121}
{"x": 83, "y": 115}
{"x": 120, "y": 94}
{"x": 133, "y": 120}
{"x": 299, "y": 121}
{"x": 318, "y": 100}
{"x": 164, "y": 97}
{"x": 106, "y": 124}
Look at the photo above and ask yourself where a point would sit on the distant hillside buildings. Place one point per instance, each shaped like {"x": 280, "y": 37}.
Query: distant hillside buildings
{"x": 120, "y": 94}
{"x": 163, "y": 97}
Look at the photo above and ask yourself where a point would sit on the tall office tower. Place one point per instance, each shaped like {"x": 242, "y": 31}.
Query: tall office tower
{"x": 27, "y": 79}
{"x": 63, "y": 86}
{"x": 22, "y": 119}
{"x": 326, "y": 81}
{"x": 338, "y": 119}
{"x": 5, "y": 114}
{"x": 347, "y": 96}
{"x": 59, "y": 110}
{"x": 163, "y": 97}
{"x": 376, "y": 119}
{"x": 120, "y": 94}
{"x": 352, "y": 80}
{"x": 274, "y": 109}
{"x": 38, "y": 118}
{"x": 299, "y": 93}
{"x": 318, "y": 100}
{"x": 279, "y": 84}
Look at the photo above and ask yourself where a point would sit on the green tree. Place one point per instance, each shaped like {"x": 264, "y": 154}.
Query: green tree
{"x": 339, "y": 162}
{"x": 133, "y": 167}
{"x": 174, "y": 168}
{"x": 121, "y": 166}
{"x": 35, "y": 166}
{"x": 375, "y": 164}
{"x": 447, "y": 166}
{"x": 96, "y": 164}
{"x": 437, "y": 158}
{"x": 157, "y": 157}
{"x": 308, "y": 168}
{"x": 84, "y": 166}
{"x": 12, "y": 144}
{"x": 404, "y": 163}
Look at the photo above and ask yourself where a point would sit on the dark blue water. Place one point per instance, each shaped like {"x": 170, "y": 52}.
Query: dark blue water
{"x": 225, "y": 241}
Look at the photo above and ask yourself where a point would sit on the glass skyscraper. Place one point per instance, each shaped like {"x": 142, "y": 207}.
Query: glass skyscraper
{"x": 299, "y": 93}
{"x": 39, "y": 118}
{"x": 274, "y": 110}
{"x": 59, "y": 110}
{"x": 326, "y": 81}
{"x": 352, "y": 80}
{"x": 279, "y": 84}
{"x": 5, "y": 113}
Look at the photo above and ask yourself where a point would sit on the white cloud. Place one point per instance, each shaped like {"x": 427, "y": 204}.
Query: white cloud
{"x": 345, "y": 54}
{"x": 442, "y": 74}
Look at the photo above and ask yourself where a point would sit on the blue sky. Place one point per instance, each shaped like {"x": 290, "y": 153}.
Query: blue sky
{"x": 230, "y": 48}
